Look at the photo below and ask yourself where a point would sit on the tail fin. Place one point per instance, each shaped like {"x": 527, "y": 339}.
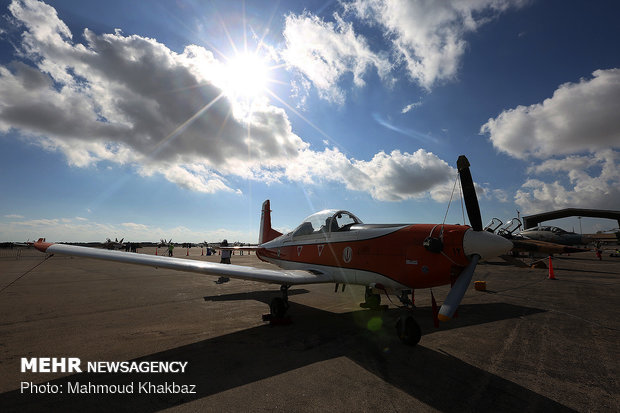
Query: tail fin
{"x": 266, "y": 232}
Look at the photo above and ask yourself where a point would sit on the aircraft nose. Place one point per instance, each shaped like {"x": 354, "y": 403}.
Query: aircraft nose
{"x": 485, "y": 244}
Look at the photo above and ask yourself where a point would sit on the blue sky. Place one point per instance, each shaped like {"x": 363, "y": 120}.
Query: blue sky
{"x": 157, "y": 119}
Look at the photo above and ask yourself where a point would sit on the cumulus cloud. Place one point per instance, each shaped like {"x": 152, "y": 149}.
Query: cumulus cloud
{"x": 575, "y": 135}
{"x": 579, "y": 117}
{"x": 587, "y": 181}
{"x": 129, "y": 99}
{"x": 324, "y": 52}
{"x": 387, "y": 177}
{"x": 429, "y": 36}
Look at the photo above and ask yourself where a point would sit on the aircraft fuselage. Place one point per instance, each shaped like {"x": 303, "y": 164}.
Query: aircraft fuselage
{"x": 362, "y": 253}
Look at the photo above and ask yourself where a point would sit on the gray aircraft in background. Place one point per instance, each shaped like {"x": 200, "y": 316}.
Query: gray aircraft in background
{"x": 555, "y": 235}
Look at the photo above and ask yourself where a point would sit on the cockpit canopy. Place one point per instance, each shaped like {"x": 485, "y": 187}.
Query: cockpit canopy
{"x": 555, "y": 230}
{"x": 328, "y": 220}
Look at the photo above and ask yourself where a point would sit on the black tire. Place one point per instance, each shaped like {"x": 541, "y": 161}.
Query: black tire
{"x": 278, "y": 307}
{"x": 408, "y": 330}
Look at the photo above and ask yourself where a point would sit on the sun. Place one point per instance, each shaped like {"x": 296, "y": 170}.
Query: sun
{"x": 246, "y": 76}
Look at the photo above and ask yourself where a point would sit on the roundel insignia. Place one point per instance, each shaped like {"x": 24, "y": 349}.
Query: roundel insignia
{"x": 347, "y": 254}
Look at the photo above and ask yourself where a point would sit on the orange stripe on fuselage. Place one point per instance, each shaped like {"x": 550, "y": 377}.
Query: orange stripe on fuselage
{"x": 399, "y": 255}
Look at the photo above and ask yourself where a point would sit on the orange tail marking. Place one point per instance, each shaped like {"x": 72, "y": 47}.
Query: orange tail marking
{"x": 266, "y": 232}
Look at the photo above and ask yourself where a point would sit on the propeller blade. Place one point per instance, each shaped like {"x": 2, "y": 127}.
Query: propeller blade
{"x": 469, "y": 193}
{"x": 452, "y": 301}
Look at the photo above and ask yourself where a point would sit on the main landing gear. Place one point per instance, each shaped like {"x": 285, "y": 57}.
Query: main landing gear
{"x": 372, "y": 300}
{"x": 407, "y": 329}
{"x": 278, "y": 308}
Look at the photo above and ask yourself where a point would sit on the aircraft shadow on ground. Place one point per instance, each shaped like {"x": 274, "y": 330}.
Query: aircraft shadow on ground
{"x": 229, "y": 361}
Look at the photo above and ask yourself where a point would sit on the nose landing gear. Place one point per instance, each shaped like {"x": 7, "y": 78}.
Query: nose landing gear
{"x": 407, "y": 329}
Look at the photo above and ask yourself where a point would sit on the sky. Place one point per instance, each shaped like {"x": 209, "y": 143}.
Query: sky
{"x": 177, "y": 119}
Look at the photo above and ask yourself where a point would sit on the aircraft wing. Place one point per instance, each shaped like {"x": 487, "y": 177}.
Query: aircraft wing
{"x": 288, "y": 277}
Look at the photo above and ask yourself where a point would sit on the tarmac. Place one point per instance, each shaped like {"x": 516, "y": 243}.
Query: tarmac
{"x": 526, "y": 344}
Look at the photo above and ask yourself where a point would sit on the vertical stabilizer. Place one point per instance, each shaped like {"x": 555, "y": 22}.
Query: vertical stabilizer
{"x": 266, "y": 232}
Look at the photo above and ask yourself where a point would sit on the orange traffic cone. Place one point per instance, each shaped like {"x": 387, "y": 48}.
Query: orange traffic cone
{"x": 551, "y": 275}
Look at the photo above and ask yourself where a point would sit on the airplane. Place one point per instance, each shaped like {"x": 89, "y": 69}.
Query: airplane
{"x": 555, "y": 235}
{"x": 164, "y": 243}
{"x": 523, "y": 244}
{"x": 334, "y": 246}
{"x": 111, "y": 245}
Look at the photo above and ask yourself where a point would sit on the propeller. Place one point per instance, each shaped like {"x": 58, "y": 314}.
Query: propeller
{"x": 476, "y": 243}
{"x": 457, "y": 291}
{"x": 469, "y": 193}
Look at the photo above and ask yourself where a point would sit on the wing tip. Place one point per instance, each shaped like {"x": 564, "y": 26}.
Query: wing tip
{"x": 41, "y": 245}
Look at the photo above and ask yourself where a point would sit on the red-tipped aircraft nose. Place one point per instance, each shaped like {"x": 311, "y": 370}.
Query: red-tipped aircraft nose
{"x": 485, "y": 244}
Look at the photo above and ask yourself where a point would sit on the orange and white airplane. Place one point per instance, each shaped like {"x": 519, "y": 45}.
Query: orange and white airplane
{"x": 334, "y": 246}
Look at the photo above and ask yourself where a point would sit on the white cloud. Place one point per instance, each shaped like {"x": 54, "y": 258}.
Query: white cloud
{"x": 589, "y": 181}
{"x": 325, "y": 52}
{"x": 410, "y": 106}
{"x": 574, "y": 134}
{"x": 135, "y": 227}
{"x": 13, "y": 216}
{"x": 429, "y": 36}
{"x": 128, "y": 99}
{"x": 387, "y": 177}
{"x": 77, "y": 230}
{"x": 579, "y": 117}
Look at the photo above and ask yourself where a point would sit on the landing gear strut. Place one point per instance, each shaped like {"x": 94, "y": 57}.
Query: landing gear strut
{"x": 405, "y": 300}
{"x": 407, "y": 328}
{"x": 371, "y": 300}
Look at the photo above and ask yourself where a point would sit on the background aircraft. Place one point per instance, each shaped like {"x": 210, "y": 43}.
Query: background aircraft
{"x": 113, "y": 245}
{"x": 334, "y": 246}
{"x": 532, "y": 246}
{"x": 555, "y": 235}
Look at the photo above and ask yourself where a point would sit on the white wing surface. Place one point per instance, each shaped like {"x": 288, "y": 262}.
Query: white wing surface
{"x": 289, "y": 277}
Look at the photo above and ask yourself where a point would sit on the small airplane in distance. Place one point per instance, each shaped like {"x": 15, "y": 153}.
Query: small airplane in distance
{"x": 555, "y": 235}
{"x": 113, "y": 245}
{"x": 334, "y": 246}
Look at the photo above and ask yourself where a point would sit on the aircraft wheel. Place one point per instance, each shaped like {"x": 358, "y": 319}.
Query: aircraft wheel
{"x": 408, "y": 330}
{"x": 278, "y": 307}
